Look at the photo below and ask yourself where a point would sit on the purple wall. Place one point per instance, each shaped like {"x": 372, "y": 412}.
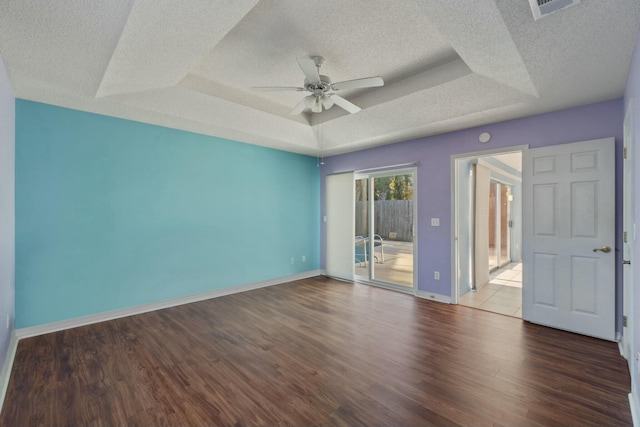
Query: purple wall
{"x": 434, "y": 178}
{"x": 632, "y": 94}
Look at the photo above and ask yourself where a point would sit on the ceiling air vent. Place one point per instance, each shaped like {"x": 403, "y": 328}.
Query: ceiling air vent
{"x": 542, "y": 8}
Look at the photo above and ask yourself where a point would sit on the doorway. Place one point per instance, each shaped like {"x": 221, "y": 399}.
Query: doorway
{"x": 385, "y": 229}
{"x": 488, "y": 231}
{"x": 568, "y": 235}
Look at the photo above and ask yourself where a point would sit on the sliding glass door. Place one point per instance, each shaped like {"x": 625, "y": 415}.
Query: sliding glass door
{"x": 385, "y": 227}
{"x": 493, "y": 222}
{"x": 499, "y": 225}
{"x": 361, "y": 241}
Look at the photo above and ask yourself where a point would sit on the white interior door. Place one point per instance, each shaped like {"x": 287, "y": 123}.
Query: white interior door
{"x": 569, "y": 237}
{"x": 340, "y": 229}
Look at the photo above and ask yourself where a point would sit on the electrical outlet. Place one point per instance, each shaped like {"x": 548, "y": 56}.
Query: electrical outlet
{"x": 8, "y": 320}
{"x": 436, "y": 275}
{"x": 292, "y": 260}
{"x": 304, "y": 258}
{"x": 435, "y": 222}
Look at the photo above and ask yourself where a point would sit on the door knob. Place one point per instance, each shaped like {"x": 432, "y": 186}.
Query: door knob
{"x": 605, "y": 249}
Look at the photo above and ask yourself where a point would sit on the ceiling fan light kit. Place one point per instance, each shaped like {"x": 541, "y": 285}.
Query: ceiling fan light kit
{"x": 321, "y": 88}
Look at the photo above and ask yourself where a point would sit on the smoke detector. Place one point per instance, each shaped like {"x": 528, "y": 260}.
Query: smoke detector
{"x": 542, "y": 8}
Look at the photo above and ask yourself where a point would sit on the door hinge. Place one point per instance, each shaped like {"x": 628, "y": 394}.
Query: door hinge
{"x": 624, "y": 320}
{"x": 624, "y": 153}
{"x": 626, "y": 262}
{"x": 624, "y": 236}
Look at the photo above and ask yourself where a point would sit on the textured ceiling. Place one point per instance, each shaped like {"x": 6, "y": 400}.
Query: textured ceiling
{"x": 447, "y": 65}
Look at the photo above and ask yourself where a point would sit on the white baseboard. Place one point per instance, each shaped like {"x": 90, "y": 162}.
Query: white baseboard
{"x": 340, "y": 279}
{"x": 635, "y": 410}
{"x": 5, "y": 373}
{"x": 433, "y": 296}
{"x": 145, "y": 308}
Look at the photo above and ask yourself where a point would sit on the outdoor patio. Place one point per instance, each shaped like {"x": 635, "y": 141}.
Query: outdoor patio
{"x": 397, "y": 266}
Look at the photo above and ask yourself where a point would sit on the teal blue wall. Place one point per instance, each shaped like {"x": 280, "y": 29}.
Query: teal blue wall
{"x": 113, "y": 213}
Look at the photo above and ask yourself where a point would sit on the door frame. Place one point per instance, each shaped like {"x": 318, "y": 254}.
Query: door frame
{"x": 413, "y": 171}
{"x": 455, "y": 217}
{"x": 628, "y": 227}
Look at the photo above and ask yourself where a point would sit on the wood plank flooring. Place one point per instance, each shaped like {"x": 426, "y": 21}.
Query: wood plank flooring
{"x": 317, "y": 352}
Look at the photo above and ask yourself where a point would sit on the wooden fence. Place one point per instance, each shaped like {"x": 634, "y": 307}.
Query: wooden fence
{"x": 393, "y": 219}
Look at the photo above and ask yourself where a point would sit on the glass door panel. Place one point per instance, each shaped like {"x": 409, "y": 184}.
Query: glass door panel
{"x": 361, "y": 240}
{"x": 385, "y": 228}
{"x": 505, "y": 256}
{"x": 393, "y": 231}
{"x": 493, "y": 212}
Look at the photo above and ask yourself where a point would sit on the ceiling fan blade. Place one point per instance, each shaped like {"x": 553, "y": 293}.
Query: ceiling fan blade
{"x": 359, "y": 83}
{"x": 309, "y": 69}
{"x": 327, "y": 102}
{"x": 299, "y": 108}
{"x": 309, "y": 101}
{"x": 277, "y": 88}
{"x": 343, "y": 103}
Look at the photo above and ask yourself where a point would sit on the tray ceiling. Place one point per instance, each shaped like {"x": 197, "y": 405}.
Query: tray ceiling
{"x": 190, "y": 65}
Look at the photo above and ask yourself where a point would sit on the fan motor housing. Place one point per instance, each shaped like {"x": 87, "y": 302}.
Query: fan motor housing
{"x": 324, "y": 85}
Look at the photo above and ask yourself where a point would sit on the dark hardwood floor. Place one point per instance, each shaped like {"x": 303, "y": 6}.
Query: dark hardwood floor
{"x": 317, "y": 352}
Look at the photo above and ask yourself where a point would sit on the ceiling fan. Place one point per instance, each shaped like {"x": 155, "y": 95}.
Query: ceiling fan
{"x": 321, "y": 88}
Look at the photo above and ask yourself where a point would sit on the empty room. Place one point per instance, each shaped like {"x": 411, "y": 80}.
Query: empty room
{"x": 344, "y": 213}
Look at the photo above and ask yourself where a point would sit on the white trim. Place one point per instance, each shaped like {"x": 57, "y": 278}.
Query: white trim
{"x": 489, "y": 153}
{"x": 5, "y": 373}
{"x": 628, "y": 226}
{"x": 620, "y": 348}
{"x": 145, "y": 308}
{"x": 433, "y": 296}
{"x": 500, "y": 171}
{"x": 339, "y": 279}
{"x": 386, "y": 168}
{"x": 387, "y": 285}
{"x": 635, "y": 410}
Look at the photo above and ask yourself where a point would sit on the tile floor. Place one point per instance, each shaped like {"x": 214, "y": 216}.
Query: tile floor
{"x": 503, "y": 293}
